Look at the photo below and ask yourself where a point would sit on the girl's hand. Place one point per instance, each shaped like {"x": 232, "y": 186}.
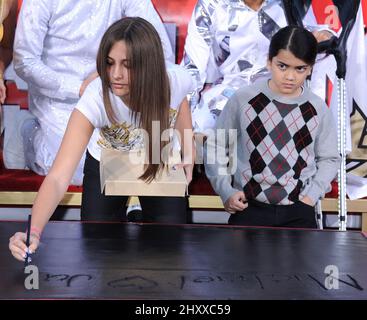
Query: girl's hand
{"x": 17, "y": 245}
{"x": 236, "y": 202}
{"x": 188, "y": 169}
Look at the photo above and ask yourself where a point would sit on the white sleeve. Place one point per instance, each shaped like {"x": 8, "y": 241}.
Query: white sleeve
{"x": 145, "y": 10}
{"x": 311, "y": 24}
{"x": 181, "y": 84}
{"x": 91, "y": 104}
{"x": 32, "y": 28}
{"x": 198, "y": 47}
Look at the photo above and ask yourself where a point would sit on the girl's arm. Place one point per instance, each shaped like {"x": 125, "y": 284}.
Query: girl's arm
{"x": 53, "y": 188}
{"x": 184, "y": 126}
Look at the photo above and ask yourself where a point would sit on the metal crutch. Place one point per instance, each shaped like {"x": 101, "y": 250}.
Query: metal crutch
{"x": 338, "y": 48}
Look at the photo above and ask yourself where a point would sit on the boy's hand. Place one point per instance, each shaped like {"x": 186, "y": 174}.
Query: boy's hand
{"x": 236, "y": 202}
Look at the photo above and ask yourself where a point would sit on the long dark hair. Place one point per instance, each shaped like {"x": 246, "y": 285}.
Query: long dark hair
{"x": 297, "y": 40}
{"x": 149, "y": 98}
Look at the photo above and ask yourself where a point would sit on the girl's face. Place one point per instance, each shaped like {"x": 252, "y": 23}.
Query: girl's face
{"x": 288, "y": 73}
{"x": 118, "y": 70}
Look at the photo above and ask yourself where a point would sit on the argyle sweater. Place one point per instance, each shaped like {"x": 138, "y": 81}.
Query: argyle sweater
{"x": 278, "y": 150}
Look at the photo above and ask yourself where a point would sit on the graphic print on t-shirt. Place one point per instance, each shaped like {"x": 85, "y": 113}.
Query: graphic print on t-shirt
{"x": 126, "y": 136}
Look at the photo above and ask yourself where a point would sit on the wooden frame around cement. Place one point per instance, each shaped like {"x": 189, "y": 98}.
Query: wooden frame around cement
{"x": 13, "y": 198}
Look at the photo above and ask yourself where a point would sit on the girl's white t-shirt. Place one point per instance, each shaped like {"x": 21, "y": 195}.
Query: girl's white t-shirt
{"x": 125, "y": 135}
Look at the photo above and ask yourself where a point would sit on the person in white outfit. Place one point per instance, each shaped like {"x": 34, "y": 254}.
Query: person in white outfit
{"x": 55, "y": 49}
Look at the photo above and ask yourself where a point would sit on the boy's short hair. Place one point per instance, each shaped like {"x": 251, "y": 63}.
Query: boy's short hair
{"x": 297, "y": 40}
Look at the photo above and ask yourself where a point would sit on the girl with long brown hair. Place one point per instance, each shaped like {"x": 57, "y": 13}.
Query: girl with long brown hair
{"x": 135, "y": 88}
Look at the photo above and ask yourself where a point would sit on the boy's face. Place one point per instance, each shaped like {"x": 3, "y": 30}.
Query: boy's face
{"x": 288, "y": 73}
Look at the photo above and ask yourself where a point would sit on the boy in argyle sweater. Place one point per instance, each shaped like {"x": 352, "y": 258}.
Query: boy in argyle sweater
{"x": 285, "y": 139}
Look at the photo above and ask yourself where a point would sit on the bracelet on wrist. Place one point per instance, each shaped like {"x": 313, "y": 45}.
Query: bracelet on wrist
{"x": 36, "y": 232}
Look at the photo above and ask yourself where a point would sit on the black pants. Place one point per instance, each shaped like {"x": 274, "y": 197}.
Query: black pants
{"x": 99, "y": 207}
{"x": 297, "y": 215}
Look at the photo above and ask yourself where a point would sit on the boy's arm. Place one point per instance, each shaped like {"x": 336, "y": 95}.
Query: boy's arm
{"x": 220, "y": 141}
{"x": 327, "y": 158}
